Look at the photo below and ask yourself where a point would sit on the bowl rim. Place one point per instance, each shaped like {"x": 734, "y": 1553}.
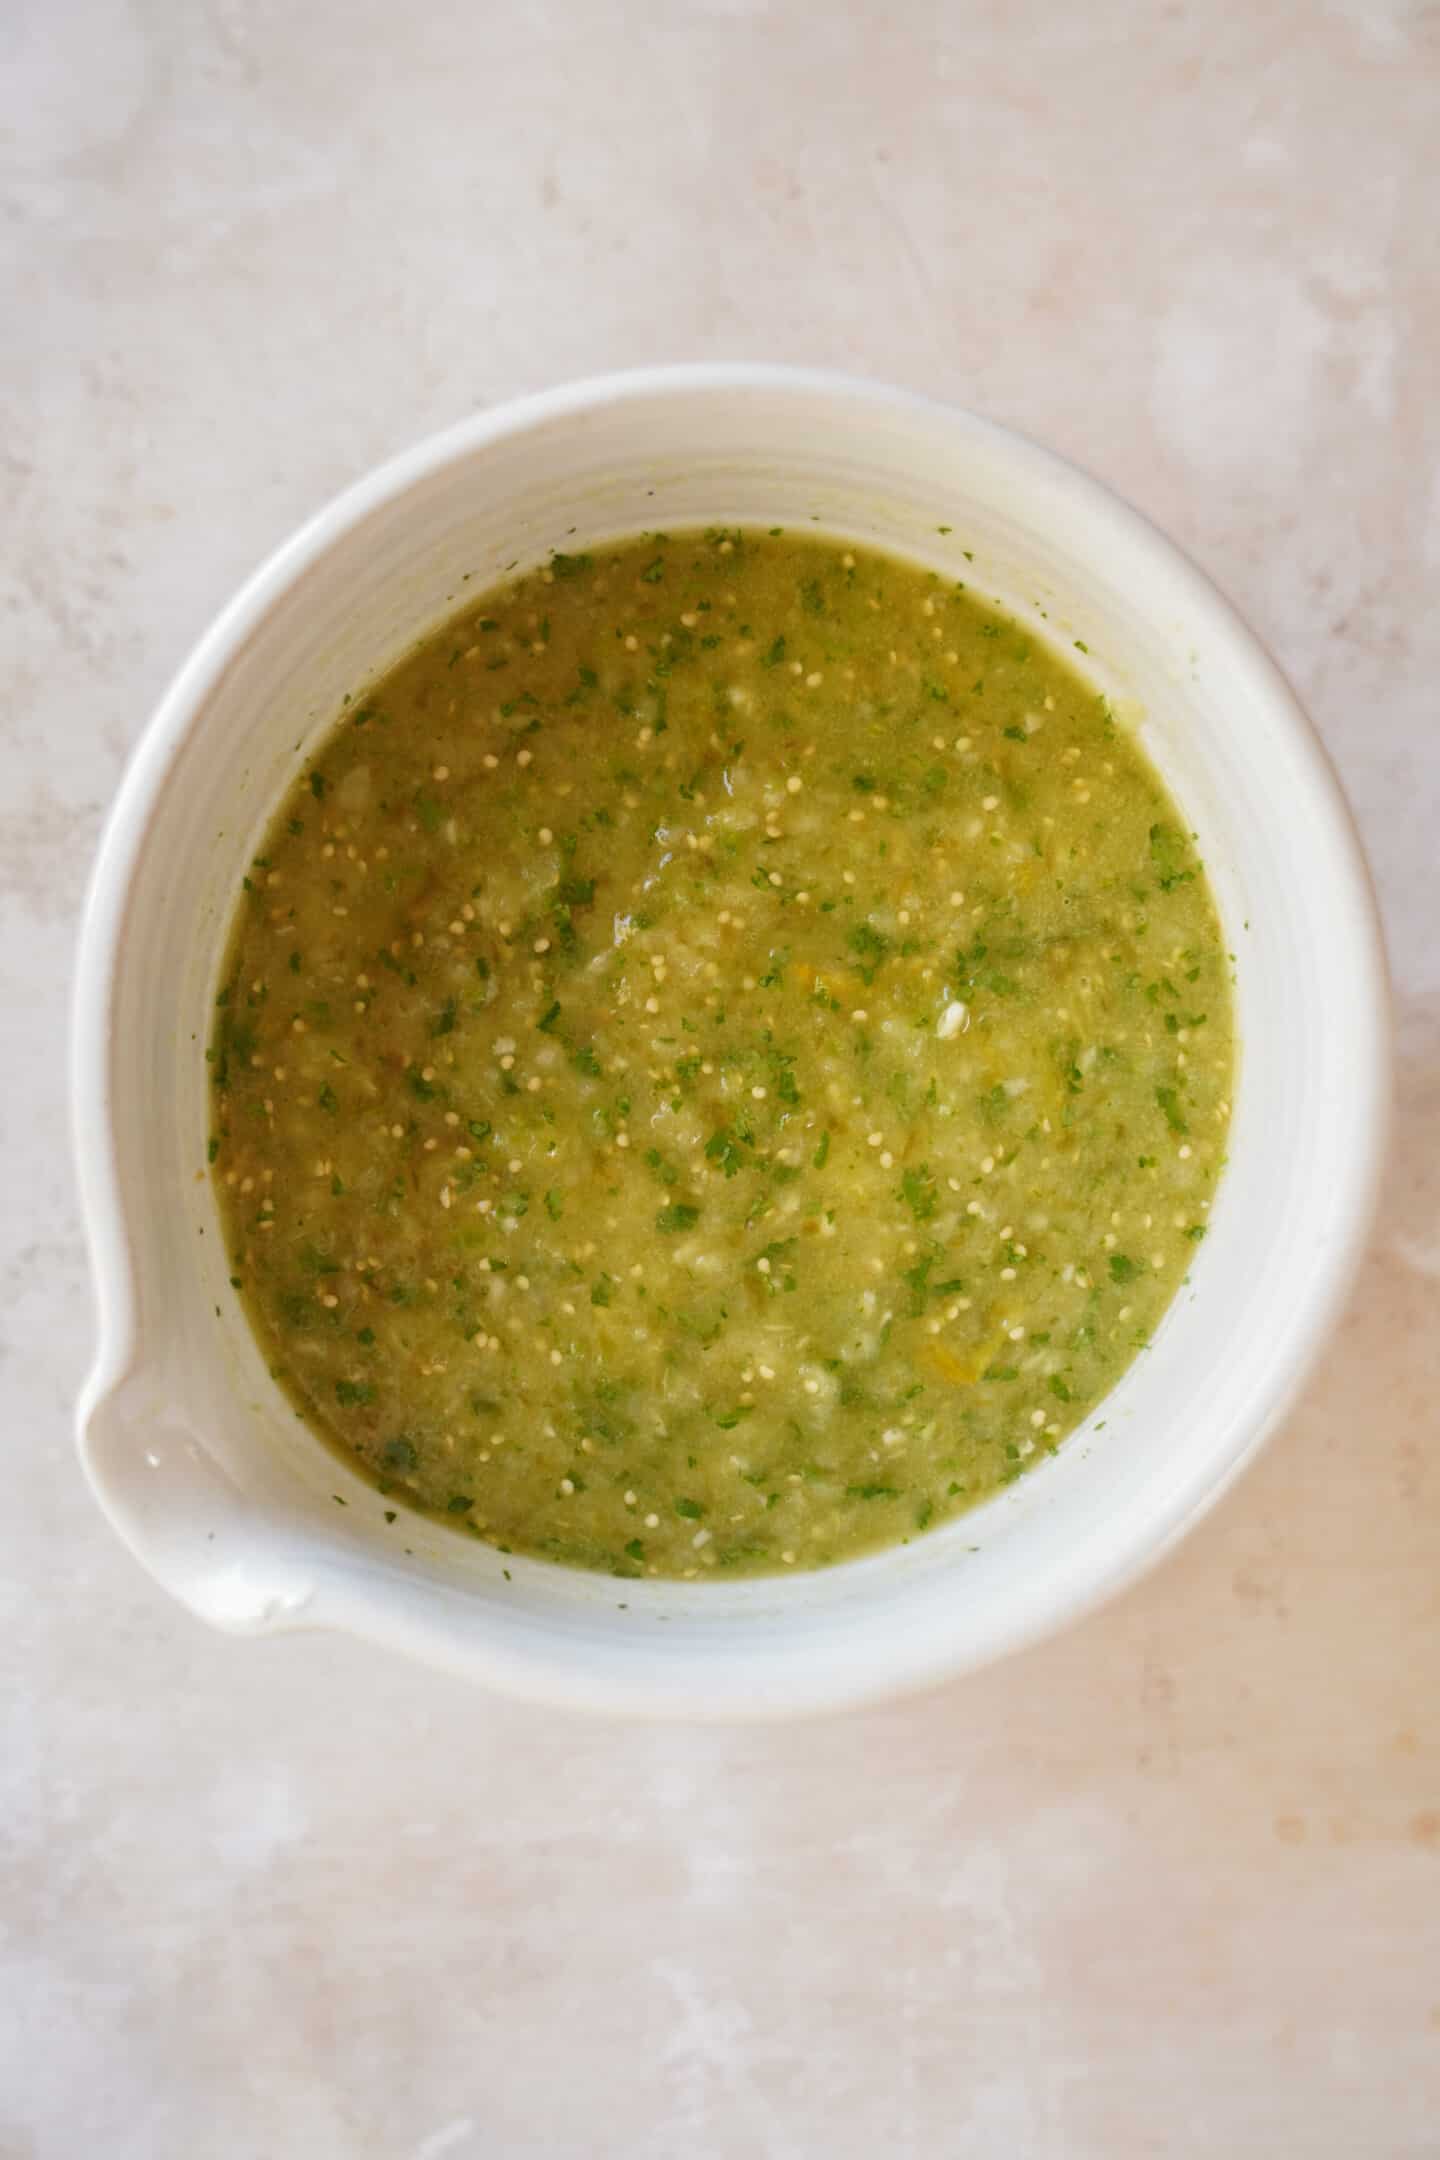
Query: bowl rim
{"x": 112, "y": 1248}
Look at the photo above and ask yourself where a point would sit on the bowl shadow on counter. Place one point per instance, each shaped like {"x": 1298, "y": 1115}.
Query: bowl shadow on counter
{"x": 1308, "y": 1603}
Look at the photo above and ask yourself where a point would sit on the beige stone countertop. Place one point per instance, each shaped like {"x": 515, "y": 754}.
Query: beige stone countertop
{"x": 1168, "y": 1885}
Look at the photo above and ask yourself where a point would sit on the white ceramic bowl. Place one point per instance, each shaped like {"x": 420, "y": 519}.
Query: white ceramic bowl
{"x": 192, "y": 1451}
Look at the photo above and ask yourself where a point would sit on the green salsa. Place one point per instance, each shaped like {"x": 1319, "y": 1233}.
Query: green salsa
{"x": 723, "y": 1060}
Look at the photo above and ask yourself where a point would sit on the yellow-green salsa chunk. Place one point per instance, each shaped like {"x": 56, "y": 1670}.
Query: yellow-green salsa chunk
{"x": 723, "y": 1060}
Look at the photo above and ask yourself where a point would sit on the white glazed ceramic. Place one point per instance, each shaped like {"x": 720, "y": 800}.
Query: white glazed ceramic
{"x": 195, "y": 1457}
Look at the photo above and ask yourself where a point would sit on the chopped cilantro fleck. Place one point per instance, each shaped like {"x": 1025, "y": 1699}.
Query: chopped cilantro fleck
{"x": 870, "y": 947}
{"x": 722, "y": 1148}
{"x": 919, "y": 1192}
{"x": 1169, "y": 1102}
